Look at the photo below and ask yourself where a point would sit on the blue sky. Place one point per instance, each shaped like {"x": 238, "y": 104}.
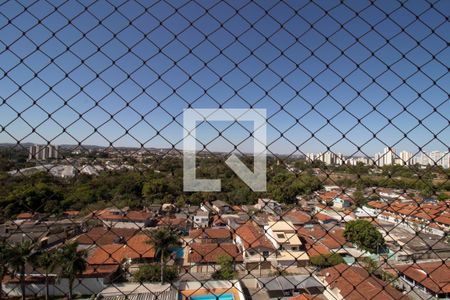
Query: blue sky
{"x": 302, "y": 61}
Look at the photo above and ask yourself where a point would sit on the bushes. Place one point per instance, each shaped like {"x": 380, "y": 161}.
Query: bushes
{"x": 326, "y": 260}
{"x": 226, "y": 269}
{"x": 152, "y": 273}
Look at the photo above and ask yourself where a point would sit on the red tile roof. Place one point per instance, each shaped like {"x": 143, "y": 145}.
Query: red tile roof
{"x": 253, "y": 237}
{"x": 135, "y": 248}
{"x": 298, "y": 216}
{"x": 127, "y": 216}
{"x": 210, "y": 253}
{"x": 103, "y": 236}
{"x": 210, "y": 233}
{"x": 435, "y": 276}
{"x": 354, "y": 283}
{"x": 24, "y": 216}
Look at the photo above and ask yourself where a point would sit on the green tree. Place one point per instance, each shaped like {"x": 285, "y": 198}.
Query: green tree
{"x": 326, "y": 260}
{"x": 358, "y": 198}
{"x": 364, "y": 235}
{"x": 370, "y": 265}
{"x": 47, "y": 261}
{"x": 4, "y": 260}
{"x": 151, "y": 273}
{"x": 72, "y": 263}
{"x": 163, "y": 240}
{"x": 226, "y": 269}
{"x": 20, "y": 255}
{"x": 443, "y": 197}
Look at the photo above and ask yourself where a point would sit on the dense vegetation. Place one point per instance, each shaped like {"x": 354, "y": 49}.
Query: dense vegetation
{"x": 324, "y": 261}
{"x": 45, "y": 193}
{"x": 364, "y": 235}
{"x": 160, "y": 180}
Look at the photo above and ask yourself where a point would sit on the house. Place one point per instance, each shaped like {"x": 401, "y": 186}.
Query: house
{"x": 324, "y": 219}
{"x": 122, "y": 218}
{"x": 290, "y": 285}
{"x": 258, "y": 251}
{"x": 431, "y": 278}
{"x": 284, "y": 238}
{"x": 92, "y": 281}
{"x": 179, "y": 223}
{"x": 355, "y": 283}
{"x": 44, "y": 234}
{"x": 221, "y": 207}
{"x": 269, "y": 206}
{"x": 200, "y": 219}
{"x": 296, "y": 217}
{"x": 342, "y": 202}
{"x": 136, "y": 290}
{"x": 211, "y": 235}
{"x": 100, "y": 236}
{"x": 322, "y": 240}
{"x": 205, "y": 257}
{"x": 71, "y": 214}
{"x": 135, "y": 250}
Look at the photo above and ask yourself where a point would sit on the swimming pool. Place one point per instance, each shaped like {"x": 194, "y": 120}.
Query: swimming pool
{"x": 212, "y": 297}
{"x": 179, "y": 253}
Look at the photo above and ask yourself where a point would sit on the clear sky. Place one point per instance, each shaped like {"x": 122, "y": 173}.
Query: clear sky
{"x": 305, "y": 62}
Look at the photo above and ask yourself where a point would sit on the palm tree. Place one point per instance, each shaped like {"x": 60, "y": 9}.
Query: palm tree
{"x": 4, "y": 259}
{"x": 72, "y": 263}
{"x": 46, "y": 260}
{"x": 164, "y": 239}
{"x": 20, "y": 255}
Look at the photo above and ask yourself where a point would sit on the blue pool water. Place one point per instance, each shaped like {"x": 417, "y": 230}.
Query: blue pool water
{"x": 179, "y": 253}
{"x": 212, "y": 297}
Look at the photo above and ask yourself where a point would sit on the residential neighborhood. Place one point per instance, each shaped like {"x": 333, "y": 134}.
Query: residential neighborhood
{"x": 310, "y": 246}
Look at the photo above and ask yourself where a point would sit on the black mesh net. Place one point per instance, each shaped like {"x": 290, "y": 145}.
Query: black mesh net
{"x": 132, "y": 134}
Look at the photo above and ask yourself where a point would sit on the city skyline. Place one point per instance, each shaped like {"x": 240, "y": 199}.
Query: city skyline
{"x": 127, "y": 79}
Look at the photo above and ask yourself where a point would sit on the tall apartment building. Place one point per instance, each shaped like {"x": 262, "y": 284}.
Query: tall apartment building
{"x": 43, "y": 152}
{"x": 406, "y": 158}
{"x": 389, "y": 156}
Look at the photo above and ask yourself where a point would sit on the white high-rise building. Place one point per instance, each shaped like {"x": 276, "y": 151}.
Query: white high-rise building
{"x": 435, "y": 158}
{"x": 406, "y": 158}
{"x": 445, "y": 162}
{"x": 43, "y": 152}
{"x": 379, "y": 159}
{"x": 389, "y": 156}
{"x": 310, "y": 157}
{"x": 328, "y": 158}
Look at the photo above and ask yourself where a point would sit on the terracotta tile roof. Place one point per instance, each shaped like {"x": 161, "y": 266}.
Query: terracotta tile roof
{"x": 354, "y": 283}
{"x": 253, "y": 237}
{"x": 99, "y": 271}
{"x": 103, "y": 236}
{"x": 443, "y": 219}
{"x": 25, "y": 216}
{"x": 320, "y": 238}
{"x": 435, "y": 276}
{"x": 168, "y": 221}
{"x": 126, "y": 216}
{"x": 297, "y": 216}
{"x": 210, "y": 253}
{"x": 322, "y": 217}
{"x": 135, "y": 248}
{"x": 72, "y": 213}
{"x": 210, "y": 233}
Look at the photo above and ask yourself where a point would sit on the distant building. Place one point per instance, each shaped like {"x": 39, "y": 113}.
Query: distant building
{"x": 406, "y": 158}
{"x": 43, "y": 152}
{"x": 268, "y": 205}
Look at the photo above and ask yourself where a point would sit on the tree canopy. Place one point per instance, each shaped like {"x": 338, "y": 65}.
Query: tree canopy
{"x": 364, "y": 235}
